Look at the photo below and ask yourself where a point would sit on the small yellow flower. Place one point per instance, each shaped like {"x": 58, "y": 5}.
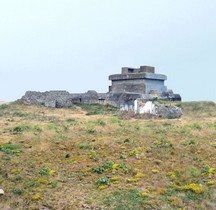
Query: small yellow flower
{"x": 133, "y": 180}
{"x": 88, "y": 169}
{"x": 193, "y": 187}
{"x": 155, "y": 171}
{"x": 114, "y": 178}
{"x": 212, "y": 170}
{"x": 53, "y": 172}
{"x": 139, "y": 175}
{"x": 171, "y": 173}
{"x": 101, "y": 187}
{"x": 42, "y": 181}
{"x": 116, "y": 182}
{"x": 211, "y": 182}
{"x": 36, "y": 197}
{"x": 115, "y": 165}
{"x": 143, "y": 194}
{"x": 15, "y": 171}
{"x": 161, "y": 191}
{"x": 174, "y": 201}
{"x": 16, "y": 151}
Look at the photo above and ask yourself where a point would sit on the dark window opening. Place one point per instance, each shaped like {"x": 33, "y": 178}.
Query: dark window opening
{"x": 130, "y": 71}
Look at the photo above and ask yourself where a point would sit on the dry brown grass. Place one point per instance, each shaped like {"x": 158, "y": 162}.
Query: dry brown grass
{"x": 61, "y": 157}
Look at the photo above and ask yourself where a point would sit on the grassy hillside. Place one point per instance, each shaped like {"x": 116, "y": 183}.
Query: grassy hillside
{"x": 88, "y": 158}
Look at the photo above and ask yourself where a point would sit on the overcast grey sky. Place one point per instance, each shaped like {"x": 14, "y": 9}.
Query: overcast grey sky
{"x": 75, "y": 45}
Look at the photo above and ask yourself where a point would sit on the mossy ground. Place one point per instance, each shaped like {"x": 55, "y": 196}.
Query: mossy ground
{"x": 87, "y": 158}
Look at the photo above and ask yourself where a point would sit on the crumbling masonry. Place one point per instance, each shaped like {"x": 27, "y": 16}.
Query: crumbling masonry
{"x": 131, "y": 84}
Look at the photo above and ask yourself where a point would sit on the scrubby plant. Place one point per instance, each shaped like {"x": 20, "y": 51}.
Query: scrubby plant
{"x": 175, "y": 167}
{"x": 32, "y": 184}
{"x": 197, "y": 188}
{"x": 115, "y": 119}
{"x": 20, "y": 114}
{"x": 100, "y": 122}
{"x": 93, "y": 155}
{"x": 53, "y": 184}
{"x": 71, "y": 120}
{"x": 205, "y": 169}
{"x": 103, "y": 180}
{"x": 91, "y": 130}
{"x": 4, "y": 106}
{"x": 127, "y": 199}
{"x": 95, "y": 109}
{"x": 44, "y": 171}
{"x": 85, "y": 146}
{"x": 190, "y": 142}
{"x": 194, "y": 171}
{"x": 110, "y": 166}
{"x": 18, "y": 191}
{"x": 10, "y": 148}
{"x": 20, "y": 129}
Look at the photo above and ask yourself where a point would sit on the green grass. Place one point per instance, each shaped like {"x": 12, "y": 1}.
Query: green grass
{"x": 126, "y": 200}
{"x": 97, "y": 109}
{"x": 65, "y": 159}
{"x": 10, "y": 148}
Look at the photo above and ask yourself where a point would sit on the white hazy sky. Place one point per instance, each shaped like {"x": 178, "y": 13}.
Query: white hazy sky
{"x": 75, "y": 45}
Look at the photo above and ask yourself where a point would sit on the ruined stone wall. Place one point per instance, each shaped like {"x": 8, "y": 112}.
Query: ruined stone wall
{"x": 58, "y": 99}
{"x": 133, "y": 83}
{"x": 154, "y": 108}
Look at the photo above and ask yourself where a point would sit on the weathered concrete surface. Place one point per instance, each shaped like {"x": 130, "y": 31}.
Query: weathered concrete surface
{"x": 141, "y": 80}
{"x": 1, "y": 192}
{"x": 154, "y": 108}
{"x": 141, "y": 107}
{"x": 165, "y": 111}
{"x": 58, "y": 99}
{"x": 133, "y": 83}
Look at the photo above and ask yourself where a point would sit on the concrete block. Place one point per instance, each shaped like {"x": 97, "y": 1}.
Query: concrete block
{"x": 147, "y": 69}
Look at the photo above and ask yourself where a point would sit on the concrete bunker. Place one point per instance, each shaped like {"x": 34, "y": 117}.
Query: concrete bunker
{"x": 125, "y": 88}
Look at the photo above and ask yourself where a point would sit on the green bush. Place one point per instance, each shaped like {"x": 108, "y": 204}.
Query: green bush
{"x": 107, "y": 166}
{"x": 4, "y": 106}
{"x": 20, "y": 114}
{"x": 102, "y": 180}
{"x": 85, "y": 146}
{"x": 44, "y": 171}
{"x": 20, "y": 129}
{"x": 10, "y": 148}
{"x": 18, "y": 191}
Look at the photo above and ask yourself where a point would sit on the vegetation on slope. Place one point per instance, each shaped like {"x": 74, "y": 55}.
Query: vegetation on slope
{"x": 88, "y": 158}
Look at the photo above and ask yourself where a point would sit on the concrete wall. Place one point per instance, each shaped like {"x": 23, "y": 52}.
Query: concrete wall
{"x": 141, "y": 107}
{"x": 148, "y": 69}
{"x": 136, "y": 86}
{"x": 141, "y": 86}
{"x": 128, "y": 70}
{"x": 126, "y": 107}
{"x": 157, "y": 85}
{"x": 133, "y": 83}
{"x": 137, "y": 76}
{"x": 142, "y": 69}
{"x": 164, "y": 111}
{"x": 57, "y": 99}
